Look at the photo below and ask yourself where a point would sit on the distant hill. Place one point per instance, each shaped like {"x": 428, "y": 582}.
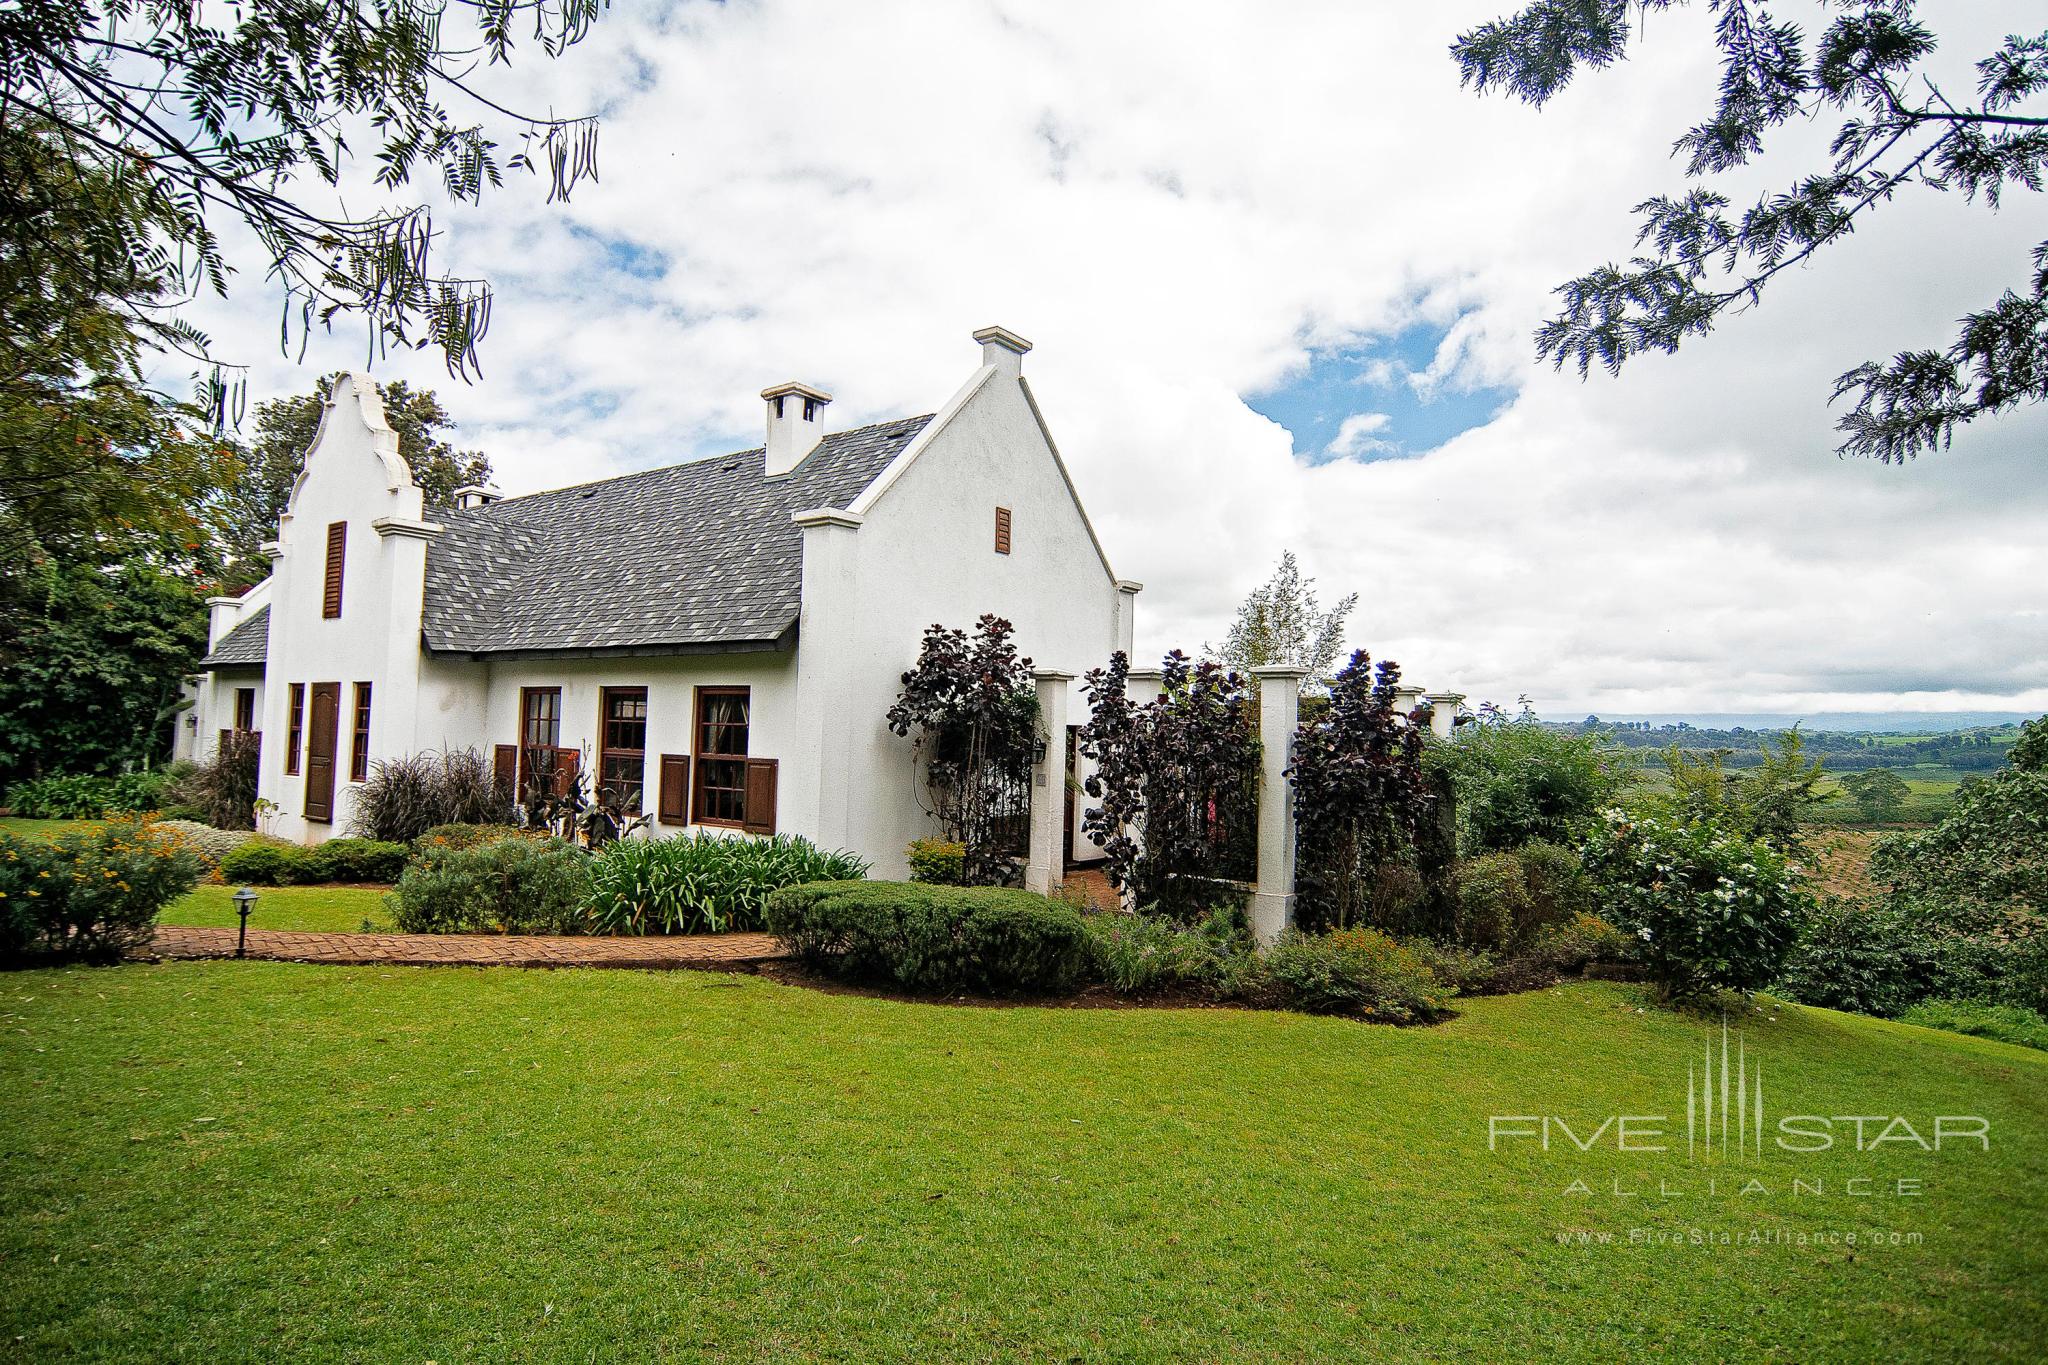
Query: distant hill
{"x": 1855, "y": 722}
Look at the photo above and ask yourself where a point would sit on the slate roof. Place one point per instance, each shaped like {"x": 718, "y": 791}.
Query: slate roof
{"x": 247, "y": 643}
{"x": 698, "y": 555}
{"x": 695, "y": 556}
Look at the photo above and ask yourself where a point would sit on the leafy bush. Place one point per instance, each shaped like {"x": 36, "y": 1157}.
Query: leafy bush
{"x": 404, "y": 798}
{"x": 703, "y": 883}
{"x": 1713, "y": 910}
{"x": 937, "y": 862}
{"x": 517, "y": 886}
{"x": 1991, "y": 849}
{"x": 1177, "y": 783}
{"x": 986, "y": 940}
{"x": 209, "y": 843}
{"x": 92, "y": 893}
{"x": 225, "y": 786}
{"x": 263, "y": 862}
{"x": 1578, "y": 944}
{"x": 464, "y": 836}
{"x": 1771, "y": 801}
{"x": 1982, "y": 1019}
{"x": 1886, "y": 956}
{"x": 1145, "y": 955}
{"x": 1517, "y": 780}
{"x": 1361, "y": 799}
{"x": 1507, "y": 897}
{"x": 353, "y": 860}
{"x": 1358, "y": 972}
{"x": 1464, "y": 970}
{"x": 88, "y": 798}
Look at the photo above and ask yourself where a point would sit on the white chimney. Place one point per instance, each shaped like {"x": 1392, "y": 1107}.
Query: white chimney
{"x": 796, "y": 423}
{"x": 475, "y": 495}
{"x": 1003, "y": 349}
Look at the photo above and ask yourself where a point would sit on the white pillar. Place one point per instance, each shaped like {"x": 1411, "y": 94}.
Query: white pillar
{"x": 1443, "y": 712}
{"x": 1045, "y": 868}
{"x": 1279, "y": 715}
{"x": 1143, "y": 686}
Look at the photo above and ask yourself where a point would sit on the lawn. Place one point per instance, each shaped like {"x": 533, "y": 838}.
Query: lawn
{"x": 331, "y": 909}
{"x": 242, "y": 1161}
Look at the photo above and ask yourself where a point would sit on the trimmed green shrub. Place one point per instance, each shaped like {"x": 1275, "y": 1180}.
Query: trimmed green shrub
{"x": 1982, "y": 1019}
{"x": 86, "y": 797}
{"x": 984, "y": 940}
{"x": 1884, "y": 957}
{"x": 352, "y": 860}
{"x": 514, "y": 886}
{"x": 703, "y": 883}
{"x": 1147, "y": 954}
{"x": 939, "y": 862}
{"x": 1713, "y": 910}
{"x": 91, "y": 894}
{"x": 1356, "y": 972}
{"x": 263, "y": 862}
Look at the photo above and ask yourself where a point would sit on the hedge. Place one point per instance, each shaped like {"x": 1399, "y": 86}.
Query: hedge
{"x": 983, "y": 940}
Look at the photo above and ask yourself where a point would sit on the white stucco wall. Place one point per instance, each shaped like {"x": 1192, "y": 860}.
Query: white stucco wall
{"x": 924, "y": 553}
{"x": 353, "y": 474}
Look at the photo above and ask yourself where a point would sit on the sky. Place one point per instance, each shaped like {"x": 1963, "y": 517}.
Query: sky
{"x": 1281, "y": 273}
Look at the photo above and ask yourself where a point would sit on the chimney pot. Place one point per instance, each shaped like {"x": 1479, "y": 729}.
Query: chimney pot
{"x": 796, "y": 423}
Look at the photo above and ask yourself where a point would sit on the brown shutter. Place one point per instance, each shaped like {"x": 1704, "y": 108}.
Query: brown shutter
{"x": 337, "y": 548}
{"x": 1002, "y": 530}
{"x": 675, "y": 789}
{"x": 505, "y": 769}
{"x": 760, "y": 817}
{"x": 565, "y": 770}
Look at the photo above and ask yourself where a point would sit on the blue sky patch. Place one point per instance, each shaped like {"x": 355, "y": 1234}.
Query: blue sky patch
{"x": 1367, "y": 385}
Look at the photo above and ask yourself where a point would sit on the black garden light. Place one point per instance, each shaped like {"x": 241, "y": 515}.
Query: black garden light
{"x": 245, "y": 901}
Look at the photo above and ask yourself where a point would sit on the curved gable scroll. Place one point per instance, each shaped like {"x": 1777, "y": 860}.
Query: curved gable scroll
{"x": 355, "y": 395}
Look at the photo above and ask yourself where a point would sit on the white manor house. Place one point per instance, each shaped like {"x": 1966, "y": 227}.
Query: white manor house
{"x": 720, "y": 639}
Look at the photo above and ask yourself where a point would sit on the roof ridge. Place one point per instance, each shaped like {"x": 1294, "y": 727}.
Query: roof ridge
{"x": 683, "y": 464}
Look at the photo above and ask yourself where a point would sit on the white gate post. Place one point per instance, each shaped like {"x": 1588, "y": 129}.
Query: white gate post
{"x": 1279, "y": 715}
{"x": 1045, "y": 867}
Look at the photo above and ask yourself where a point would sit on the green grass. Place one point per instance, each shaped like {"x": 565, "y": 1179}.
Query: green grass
{"x": 23, "y": 828}
{"x": 256, "y": 1161}
{"x": 331, "y": 909}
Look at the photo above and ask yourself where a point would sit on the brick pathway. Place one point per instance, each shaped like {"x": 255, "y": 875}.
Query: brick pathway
{"x": 713, "y": 951}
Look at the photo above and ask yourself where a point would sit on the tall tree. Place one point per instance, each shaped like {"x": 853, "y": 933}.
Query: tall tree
{"x": 1283, "y": 622}
{"x": 1895, "y": 130}
{"x": 94, "y": 464}
{"x": 285, "y": 428}
{"x": 251, "y": 112}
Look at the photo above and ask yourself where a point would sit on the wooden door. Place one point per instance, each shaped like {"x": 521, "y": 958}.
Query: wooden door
{"x": 321, "y": 730}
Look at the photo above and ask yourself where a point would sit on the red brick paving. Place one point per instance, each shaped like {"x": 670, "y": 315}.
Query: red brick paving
{"x": 714, "y": 951}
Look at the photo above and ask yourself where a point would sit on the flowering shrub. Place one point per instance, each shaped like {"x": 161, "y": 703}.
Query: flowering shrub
{"x": 1712, "y": 910}
{"x": 90, "y": 893}
{"x": 209, "y": 843}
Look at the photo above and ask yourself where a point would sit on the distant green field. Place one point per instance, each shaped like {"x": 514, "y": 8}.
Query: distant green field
{"x": 1933, "y": 791}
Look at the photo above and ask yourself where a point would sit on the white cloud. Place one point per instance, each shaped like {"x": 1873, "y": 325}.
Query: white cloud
{"x": 1177, "y": 201}
{"x": 1356, "y": 435}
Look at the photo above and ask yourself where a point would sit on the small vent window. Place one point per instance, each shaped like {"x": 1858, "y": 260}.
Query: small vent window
{"x": 1002, "y": 530}
{"x": 337, "y": 548}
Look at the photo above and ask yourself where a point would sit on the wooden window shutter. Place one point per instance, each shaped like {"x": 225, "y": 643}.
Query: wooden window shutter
{"x": 675, "y": 789}
{"x": 1002, "y": 530}
{"x": 760, "y": 817}
{"x": 505, "y": 767}
{"x": 337, "y": 549}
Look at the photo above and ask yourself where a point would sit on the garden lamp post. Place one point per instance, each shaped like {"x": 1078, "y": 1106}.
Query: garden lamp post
{"x": 245, "y": 901}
